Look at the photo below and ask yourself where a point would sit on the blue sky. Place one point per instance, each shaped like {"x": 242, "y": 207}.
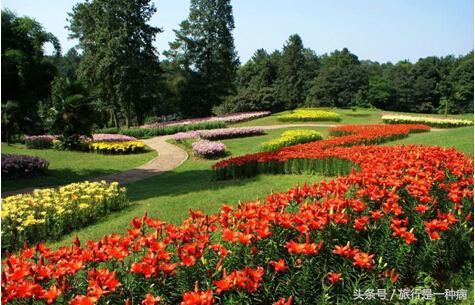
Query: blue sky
{"x": 381, "y": 30}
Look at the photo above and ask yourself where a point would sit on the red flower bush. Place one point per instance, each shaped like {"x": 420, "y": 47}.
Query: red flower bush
{"x": 366, "y": 229}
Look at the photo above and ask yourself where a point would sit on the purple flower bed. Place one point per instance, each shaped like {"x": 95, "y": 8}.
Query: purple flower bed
{"x": 208, "y": 149}
{"x": 182, "y": 136}
{"x": 109, "y": 137}
{"x": 228, "y": 118}
{"x": 226, "y": 133}
{"x": 40, "y": 141}
{"x": 22, "y": 166}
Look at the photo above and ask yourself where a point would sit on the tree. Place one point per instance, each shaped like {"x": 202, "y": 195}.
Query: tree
{"x": 119, "y": 59}
{"x": 380, "y": 93}
{"x": 425, "y": 76}
{"x": 11, "y": 117}
{"x": 68, "y": 64}
{"x": 204, "y": 51}
{"x": 291, "y": 74}
{"x": 26, "y": 75}
{"x": 400, "y": 78}
{"x": 338, "y": 82}
{"x": 460, "y": 99}
{"x": 72, "y": 114}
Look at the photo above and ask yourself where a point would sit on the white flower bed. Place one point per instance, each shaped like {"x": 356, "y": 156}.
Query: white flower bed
{"x": 430, "y": 121}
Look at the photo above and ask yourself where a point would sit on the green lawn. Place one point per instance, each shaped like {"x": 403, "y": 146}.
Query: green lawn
{"x": 349, "y": 117}
{"x": 70, "y": 166}
{"x": 460, "y": 138}
{"x": 169, "y": 196}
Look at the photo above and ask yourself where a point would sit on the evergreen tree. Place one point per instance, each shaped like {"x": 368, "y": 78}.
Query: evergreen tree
{"x": 291, "y": 73}
{"x": 119, "y": 59}
{"x": 204, "y": 51}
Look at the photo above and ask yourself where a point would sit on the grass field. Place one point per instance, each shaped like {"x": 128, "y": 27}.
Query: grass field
{"x": 349, "y": 116}
{"x": 460, "y": 138}
{"x": 71, "y": 166}
{"x": 169, "y": 196}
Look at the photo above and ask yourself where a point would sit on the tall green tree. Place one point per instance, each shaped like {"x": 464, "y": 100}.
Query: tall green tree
{"x": 26, "y": 74}
{"x": 68, "y": 64}
{"x": 204, "y": 51}
{"x": 291, "y": 77}
{"x": 118, "y": 59}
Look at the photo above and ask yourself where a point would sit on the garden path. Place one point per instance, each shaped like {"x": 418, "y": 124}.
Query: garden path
{"x": 169, "y": 157}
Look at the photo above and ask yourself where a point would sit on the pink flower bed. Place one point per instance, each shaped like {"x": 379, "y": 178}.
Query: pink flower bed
{"x": 106, "y": 137}
{"x": 228, "y": 118}
{"x": 225, "y": 133}
{"x": 39, "y": 141}
{"x": 208, "y": 149}
{"x": 181, "y": 136}
{"x": 222, "y": 133}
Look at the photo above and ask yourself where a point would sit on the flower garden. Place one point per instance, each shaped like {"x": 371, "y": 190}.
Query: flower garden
{"x": 147, "y": 169}
{"x": 385, "y": 217}
{"x": 411, "y": 202}
{"x": 50, "y": 213}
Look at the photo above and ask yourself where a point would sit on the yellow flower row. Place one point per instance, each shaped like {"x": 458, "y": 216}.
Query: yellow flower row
{"x": 291, "y": 137}
{"x": 118, "y": 147}
{"x": 49, "y": 213}
{"x": 309, "y": 115}
{"x": 430, "y": 121}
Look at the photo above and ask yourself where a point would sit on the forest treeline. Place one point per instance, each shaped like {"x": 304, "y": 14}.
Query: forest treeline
{"x": 115, "y": 76}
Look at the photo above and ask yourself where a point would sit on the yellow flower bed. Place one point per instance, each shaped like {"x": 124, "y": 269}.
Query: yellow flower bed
{"x": 309, "y": 115}
{"x": 291, "y": 137}
{"x": 118, "y": 147}
{"x": 50, "y": 213}
{"x": 430, "y": 121}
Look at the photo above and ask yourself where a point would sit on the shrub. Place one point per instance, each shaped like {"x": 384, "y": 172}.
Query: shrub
{"x": 122, "y": 147}
{"x": 309, "y": 115}
{"x": 291, "y": 137}
{"x": 22, "y": 166}
{"x": 47, "y": 214}
{"x": 430, "y": 121}
{"x": 39, "y": 142}
{"x": 208, "y": 149}
{"x": 159, "y": 131}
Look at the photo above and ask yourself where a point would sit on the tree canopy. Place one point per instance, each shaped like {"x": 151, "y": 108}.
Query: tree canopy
{"x": 26, "y": 74}
{"x": 119, "y": 59}
{"x": 205, "y": 57}
{"x": 116, "y": 71}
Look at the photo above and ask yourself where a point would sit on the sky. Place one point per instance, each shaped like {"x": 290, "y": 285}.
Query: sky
{"x": 379, "y": 30}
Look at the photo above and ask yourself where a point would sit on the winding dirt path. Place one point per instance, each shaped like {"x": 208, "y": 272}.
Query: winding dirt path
{"x": 169, "y": 157}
